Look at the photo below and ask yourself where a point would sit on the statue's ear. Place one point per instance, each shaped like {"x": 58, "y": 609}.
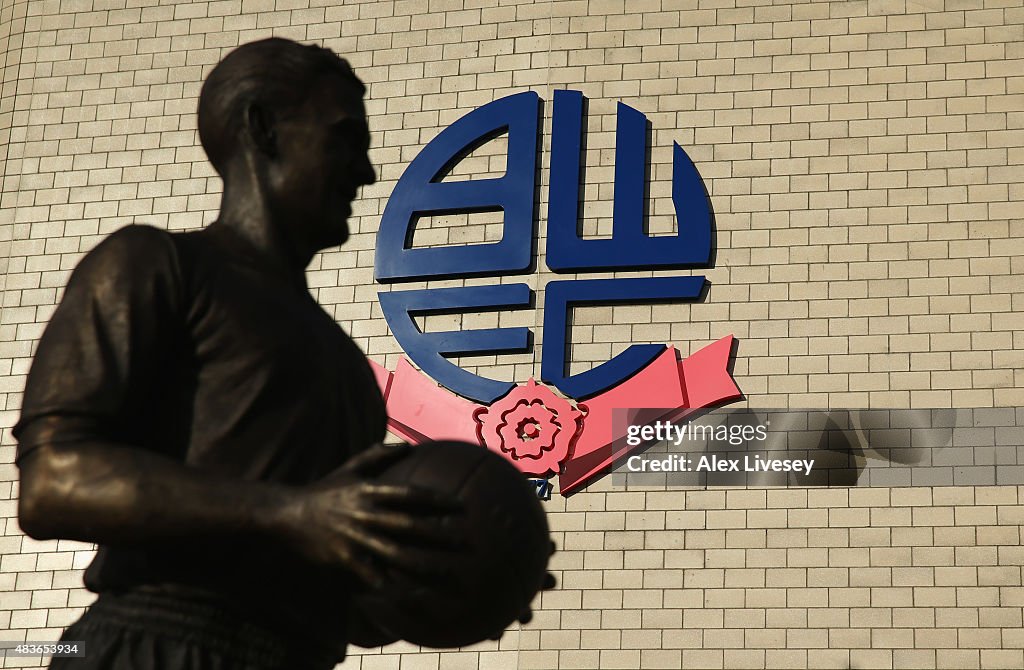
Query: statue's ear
{"x": 259, "y": 124}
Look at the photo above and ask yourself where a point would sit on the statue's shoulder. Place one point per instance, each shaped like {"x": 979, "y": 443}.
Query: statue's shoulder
{"x": 137, "y": 238}
{"x": 134, "y": 253}
{"x": 138, "y": 245}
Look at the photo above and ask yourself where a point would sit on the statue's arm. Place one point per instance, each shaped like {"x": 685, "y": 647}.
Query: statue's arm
{"x": 105, "y": 493}
{"x": 109, "y": 494}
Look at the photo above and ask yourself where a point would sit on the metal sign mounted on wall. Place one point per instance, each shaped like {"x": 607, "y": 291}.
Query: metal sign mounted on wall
{"x": 543, "y": 433}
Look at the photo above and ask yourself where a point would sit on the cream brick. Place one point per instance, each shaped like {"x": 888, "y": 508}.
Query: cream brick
{"x": 856, "y": 187}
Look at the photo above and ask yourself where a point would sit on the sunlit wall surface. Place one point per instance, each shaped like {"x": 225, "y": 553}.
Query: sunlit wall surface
{"x": 864, "y": 162}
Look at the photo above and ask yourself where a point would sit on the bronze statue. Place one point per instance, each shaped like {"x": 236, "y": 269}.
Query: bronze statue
{"x": 193, "y": 411}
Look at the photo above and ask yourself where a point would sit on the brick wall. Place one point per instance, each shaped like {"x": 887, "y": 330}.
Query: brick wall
{"x": 864, "y": 162}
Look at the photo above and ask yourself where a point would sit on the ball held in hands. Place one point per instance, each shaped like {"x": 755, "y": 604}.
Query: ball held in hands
{"x": 493, "y": 576}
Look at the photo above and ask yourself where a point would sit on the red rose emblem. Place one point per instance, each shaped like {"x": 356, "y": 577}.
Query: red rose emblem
{"x": 531, "y": 426}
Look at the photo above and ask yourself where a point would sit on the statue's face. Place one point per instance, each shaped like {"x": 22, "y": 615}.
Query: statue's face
{"x": 321, "y": 163}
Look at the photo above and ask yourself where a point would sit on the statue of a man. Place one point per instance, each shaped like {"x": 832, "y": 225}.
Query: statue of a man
{"x": 195, "y": 413}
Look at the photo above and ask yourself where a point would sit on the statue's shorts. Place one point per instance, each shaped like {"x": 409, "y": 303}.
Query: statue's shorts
{"x": 172, "y": 629}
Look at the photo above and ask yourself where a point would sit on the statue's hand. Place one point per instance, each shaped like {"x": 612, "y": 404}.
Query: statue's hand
{"x": 376, "y": 531}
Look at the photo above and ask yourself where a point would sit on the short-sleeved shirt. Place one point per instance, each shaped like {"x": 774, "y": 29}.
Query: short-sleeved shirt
{"x": 192, "y": 346}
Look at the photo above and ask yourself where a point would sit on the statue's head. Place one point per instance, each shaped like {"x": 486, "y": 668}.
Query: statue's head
{"x": 293, "y": 116}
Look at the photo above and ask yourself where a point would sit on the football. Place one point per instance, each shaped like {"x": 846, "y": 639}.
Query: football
{"x": 507, "y": 548}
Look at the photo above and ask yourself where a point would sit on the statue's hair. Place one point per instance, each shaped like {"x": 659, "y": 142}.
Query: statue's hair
{"x": 275, "y": 74}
